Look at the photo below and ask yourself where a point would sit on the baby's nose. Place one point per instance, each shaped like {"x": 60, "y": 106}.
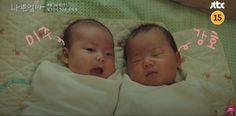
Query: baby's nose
{"x": 147, "y": 63}
{"x": 100, "y": 57}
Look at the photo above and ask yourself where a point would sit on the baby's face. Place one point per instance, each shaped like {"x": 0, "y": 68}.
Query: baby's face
{"x": 91, "y": 52}
{"x": 151, "y": 60}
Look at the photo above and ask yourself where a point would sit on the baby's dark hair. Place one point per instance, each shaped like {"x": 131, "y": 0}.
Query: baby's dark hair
{"x": 67, "y": 31}
{"x": 147, "y": 27}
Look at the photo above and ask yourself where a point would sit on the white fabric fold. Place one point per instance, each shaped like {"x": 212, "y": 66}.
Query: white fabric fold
{"x": 182, "y": 98}
{"x": 58, "y": 91}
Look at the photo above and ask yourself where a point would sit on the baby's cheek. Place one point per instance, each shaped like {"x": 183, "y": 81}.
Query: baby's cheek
{"x": 76, "y": 63}
{"x": 111, "y": 65}
{"x": 168, "y": 64}
{"x": 134, "y": 71}
{"x": 73, "y": 68}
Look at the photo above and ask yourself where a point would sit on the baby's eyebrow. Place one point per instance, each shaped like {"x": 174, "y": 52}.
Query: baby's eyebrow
{"x": 134, "y": 54}
{"x": 111, "y": 51}
{"x": 156, "y": 48}
{"x": 93, "y": 43}
{"x": 107, "y": 50}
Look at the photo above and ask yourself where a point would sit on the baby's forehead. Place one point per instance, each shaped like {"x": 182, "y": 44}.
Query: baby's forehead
{"x": 88, "y": 29}
{"x": 154, "y": 34}
{"x": 154, "y": 31}
{"x": 83, "y": 25}
{"x": 89, "y": 32}
{"x": 103, "y": 44}
{"x": 148, "y": 40}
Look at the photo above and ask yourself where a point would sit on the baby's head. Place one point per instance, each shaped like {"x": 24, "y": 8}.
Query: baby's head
{"x": 151, "y": 55}
{"x": 89, "y": 48}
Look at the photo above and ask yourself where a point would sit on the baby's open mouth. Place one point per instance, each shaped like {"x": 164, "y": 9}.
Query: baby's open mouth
{"x": 97, "y": 71}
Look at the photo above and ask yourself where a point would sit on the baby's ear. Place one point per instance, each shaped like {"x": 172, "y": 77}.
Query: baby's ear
{"x": 178, "y": 58}
{"x": 65, "y": 55}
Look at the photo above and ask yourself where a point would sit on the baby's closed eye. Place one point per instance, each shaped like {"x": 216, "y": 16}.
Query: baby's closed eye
{"x": 90, "y": 49}
{"x": 136, "y": 59}
{"x": 109, "y": 54}
{"x": 156, "y": 54}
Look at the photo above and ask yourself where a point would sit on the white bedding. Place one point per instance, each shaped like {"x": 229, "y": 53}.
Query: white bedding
{"x": 182, "y": 98}
{"x": 57, "y": 90}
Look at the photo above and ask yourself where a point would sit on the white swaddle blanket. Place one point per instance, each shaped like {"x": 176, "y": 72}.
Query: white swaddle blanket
{"x": 187, "y": 97}
{"x": 56, "y": 90}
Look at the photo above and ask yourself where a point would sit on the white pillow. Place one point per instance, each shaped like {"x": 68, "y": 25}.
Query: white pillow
{"x": 56, "y": 90}
{"x": 182, "y": 98}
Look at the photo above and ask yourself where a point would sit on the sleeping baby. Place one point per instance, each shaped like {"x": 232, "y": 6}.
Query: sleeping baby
{"x": 89, "y": 48}
{"x": 151, "y": 55}
{"x": 154, "y": 83}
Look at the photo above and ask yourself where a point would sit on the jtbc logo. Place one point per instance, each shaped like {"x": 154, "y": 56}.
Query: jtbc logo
{"x": 217, "y": 5}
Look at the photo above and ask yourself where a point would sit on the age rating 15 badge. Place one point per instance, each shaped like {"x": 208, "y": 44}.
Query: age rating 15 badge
{"x": 217, "y": 17}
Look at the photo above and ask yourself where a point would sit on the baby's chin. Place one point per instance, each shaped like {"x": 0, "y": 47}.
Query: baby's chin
{"x": 155, "y": 83}
{"x": 98, "y": 72}
{"x": 100, "y": 75}
{"x": 106, "y": 74}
